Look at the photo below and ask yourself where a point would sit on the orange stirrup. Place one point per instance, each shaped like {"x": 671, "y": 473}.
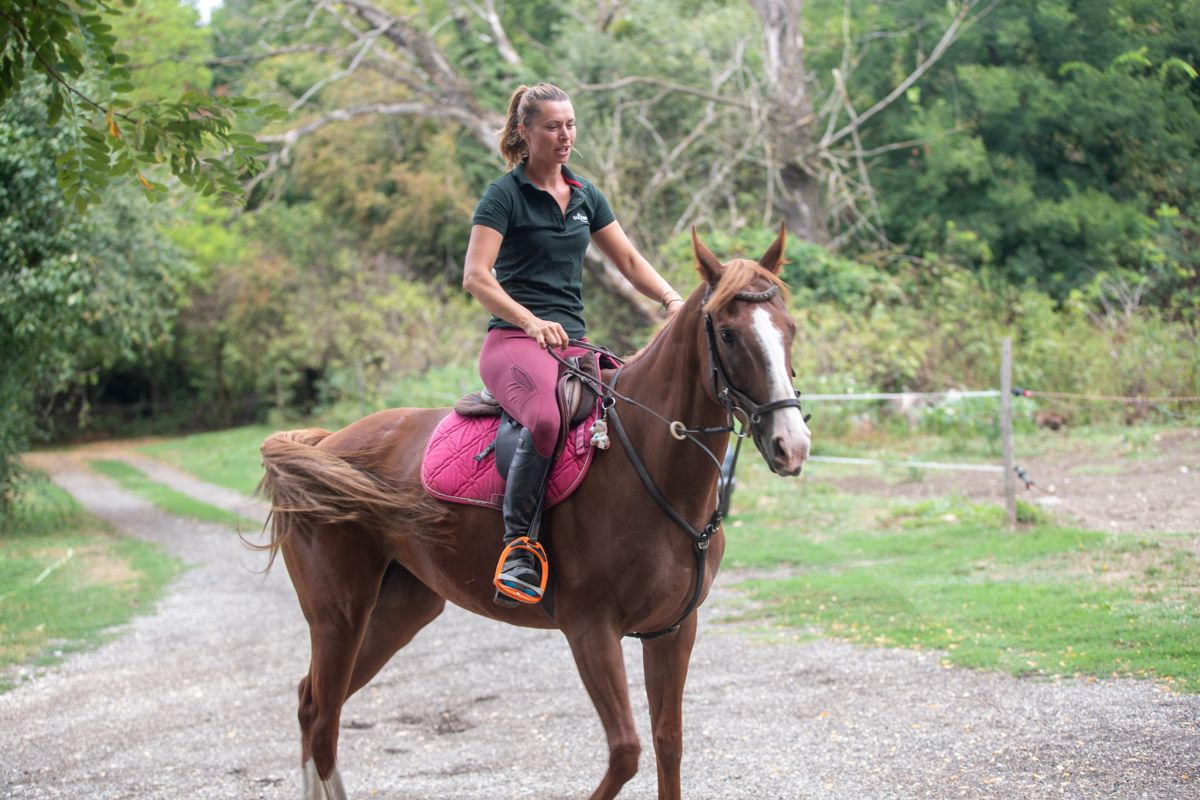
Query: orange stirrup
{"x": 523, "y": 595}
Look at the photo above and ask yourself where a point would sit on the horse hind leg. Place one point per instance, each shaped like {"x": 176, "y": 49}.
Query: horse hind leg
{"x": 359, "y": 633}
{"x": 404, "y": 607}
{"x": 337, "y": 577}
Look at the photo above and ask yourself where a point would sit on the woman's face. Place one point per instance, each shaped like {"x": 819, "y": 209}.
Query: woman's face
{"x": 550, "y": 135}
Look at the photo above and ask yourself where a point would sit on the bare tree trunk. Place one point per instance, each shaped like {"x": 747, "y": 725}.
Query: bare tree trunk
{"x": 790, "y": 137}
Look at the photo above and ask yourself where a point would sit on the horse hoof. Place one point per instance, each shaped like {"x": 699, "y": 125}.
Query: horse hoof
{"x": 315, "y": 788}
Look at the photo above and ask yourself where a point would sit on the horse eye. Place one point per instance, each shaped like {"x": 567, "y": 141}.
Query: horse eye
{"x": 727, "y": 336}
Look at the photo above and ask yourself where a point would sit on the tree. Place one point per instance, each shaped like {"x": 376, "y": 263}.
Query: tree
{"x": 89, "y": 92}
{"x": 77, "y": 293}
{"x": 1076, "y": 150}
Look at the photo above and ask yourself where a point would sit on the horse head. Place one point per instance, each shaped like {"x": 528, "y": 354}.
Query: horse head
{"x": 749, "y": 333}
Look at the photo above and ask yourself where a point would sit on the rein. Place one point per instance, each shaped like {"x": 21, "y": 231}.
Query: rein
{"x": 726, "y": 397}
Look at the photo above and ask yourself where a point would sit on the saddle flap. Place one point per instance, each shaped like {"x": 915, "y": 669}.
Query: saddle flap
{"x": 577, "y": 397}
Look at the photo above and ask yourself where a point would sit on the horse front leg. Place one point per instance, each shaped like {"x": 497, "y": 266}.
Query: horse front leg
{"x": 665, "y": 661}
{"x": 597, "y": 652}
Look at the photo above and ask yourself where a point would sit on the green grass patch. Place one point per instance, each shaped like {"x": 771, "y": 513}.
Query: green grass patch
{"x": 134, "y": 480}
{"x": 226, "y": 458}
{"x": 66, "y": 579}
{"x": 947, "y": 575}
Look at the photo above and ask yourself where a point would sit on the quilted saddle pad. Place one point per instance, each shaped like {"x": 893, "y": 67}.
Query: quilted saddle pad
{"x": 450, "y": 472}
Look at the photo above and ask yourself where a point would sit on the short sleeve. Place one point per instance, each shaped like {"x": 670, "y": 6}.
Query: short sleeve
{"x": 602, "y": 214}
{"x": 494, "y": 209}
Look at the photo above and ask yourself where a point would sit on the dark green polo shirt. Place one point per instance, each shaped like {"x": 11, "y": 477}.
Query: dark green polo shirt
{"x": 540, "y": 263}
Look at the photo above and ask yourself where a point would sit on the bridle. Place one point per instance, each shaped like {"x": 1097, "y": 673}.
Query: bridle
{"x": 733, "y": 400}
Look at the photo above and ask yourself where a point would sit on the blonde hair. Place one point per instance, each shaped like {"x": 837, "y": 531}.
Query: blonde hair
{"x": 522, "y": 106}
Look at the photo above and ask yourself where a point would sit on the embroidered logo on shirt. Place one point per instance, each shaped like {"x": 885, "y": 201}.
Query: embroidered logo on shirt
{"x": 579, "y": 216}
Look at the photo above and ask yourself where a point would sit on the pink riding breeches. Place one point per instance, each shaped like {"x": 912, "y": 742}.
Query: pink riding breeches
{"x": 523, "y": 377}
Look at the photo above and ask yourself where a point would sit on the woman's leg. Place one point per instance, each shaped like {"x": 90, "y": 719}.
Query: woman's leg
{"x": 522, "y": 377}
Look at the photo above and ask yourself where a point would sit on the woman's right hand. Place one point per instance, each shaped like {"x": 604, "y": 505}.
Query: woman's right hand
{"x": 548, "y": 334}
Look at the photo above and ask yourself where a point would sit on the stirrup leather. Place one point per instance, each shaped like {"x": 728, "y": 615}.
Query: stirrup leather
{"x": 522, "y": 543}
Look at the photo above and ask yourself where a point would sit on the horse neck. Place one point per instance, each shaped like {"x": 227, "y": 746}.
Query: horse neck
{"x": 671, "y": 374}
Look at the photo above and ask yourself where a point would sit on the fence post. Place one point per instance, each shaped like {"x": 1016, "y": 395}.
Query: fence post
{"x": 1006, "y": 431}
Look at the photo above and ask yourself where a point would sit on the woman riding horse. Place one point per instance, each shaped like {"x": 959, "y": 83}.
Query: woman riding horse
{"x": 524, "y": 264}
{"x": 374, "y": 558}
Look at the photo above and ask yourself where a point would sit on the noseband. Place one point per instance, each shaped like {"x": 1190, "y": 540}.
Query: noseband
{"x": 733, "y": 399}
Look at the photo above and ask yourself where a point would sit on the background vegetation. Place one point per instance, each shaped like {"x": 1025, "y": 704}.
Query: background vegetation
{"x": 1034, "y": 174}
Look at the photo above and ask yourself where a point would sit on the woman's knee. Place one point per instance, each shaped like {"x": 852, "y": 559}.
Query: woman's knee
{"x": 545, "y": 433}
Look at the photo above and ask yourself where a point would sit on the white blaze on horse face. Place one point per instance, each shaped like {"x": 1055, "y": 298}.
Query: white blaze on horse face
{"x": 788, "y": 424}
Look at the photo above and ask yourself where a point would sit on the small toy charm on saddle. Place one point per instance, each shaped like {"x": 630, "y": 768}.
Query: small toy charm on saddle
{"x": 520, "y": 590}
{"x": 599, "y": 432}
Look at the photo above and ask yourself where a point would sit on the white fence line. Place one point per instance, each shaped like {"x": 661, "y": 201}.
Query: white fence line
{"x": 916, "y": 464}
{"x": 948, "y": 393}
{"x": 1005, "y": 395}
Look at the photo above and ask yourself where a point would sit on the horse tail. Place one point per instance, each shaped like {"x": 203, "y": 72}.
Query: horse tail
{"x": 309, "y": 486}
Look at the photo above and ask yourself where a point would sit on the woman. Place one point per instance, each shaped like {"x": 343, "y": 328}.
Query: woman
{"x": 524, "y": 264}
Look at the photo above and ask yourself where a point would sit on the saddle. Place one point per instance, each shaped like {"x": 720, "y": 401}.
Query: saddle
{"x": 577, "y": 400}
{"x": 468, "y": 455}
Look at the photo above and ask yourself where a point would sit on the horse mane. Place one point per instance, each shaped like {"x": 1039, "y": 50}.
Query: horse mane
{"x": 738, "y": 275}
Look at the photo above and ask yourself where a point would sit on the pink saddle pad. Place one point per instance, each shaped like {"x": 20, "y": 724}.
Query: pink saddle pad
{"x": 450, "y": 472}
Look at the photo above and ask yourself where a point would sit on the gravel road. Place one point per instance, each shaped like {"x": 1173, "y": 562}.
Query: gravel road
{"x": 198, "y": 701}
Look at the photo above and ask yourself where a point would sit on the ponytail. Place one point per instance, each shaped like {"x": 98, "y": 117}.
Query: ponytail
{"x": 522, "y": 106}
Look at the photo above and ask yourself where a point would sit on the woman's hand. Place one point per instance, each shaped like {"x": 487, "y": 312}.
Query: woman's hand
{"x": 548, "y": 334}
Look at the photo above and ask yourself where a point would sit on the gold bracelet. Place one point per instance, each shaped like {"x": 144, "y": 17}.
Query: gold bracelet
{"x": 670, "y": 296}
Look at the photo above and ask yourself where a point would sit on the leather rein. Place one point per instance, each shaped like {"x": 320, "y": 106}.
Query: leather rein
{"x": 734, "y": 401}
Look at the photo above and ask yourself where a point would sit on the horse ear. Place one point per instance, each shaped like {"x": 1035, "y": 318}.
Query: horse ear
{"x": 773, "y": 260}
{"x": 710, "y": 267}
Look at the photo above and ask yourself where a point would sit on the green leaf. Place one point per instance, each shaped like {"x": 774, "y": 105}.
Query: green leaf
{"x": 54, "y": 107}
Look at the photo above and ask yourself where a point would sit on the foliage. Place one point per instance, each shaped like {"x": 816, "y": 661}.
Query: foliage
{"x": 66, "y": 578}
{"x": 78, "y": 294}
{"x": 91, "y": 92}
{"x": 1059, "y": 141}
{"x": 1046, "y": 191}
{"x": 300, "y": 319}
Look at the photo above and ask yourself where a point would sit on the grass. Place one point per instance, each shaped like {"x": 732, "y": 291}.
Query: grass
{"x": 134, "y": 480}
{"x": 66, "y": 579}
{"x": 226, "y": 458}
{"x": 947, "y": 575}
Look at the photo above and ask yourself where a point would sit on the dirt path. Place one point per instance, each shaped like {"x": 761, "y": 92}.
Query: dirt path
{"x": 1155, "y": 490}
{"x": 197, "y": 701}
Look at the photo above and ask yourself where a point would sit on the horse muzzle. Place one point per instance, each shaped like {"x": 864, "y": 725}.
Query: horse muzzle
{"x": 784, "y": 441}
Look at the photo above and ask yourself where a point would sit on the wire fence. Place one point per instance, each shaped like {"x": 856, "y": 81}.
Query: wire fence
{"x": 1010, "y": 470}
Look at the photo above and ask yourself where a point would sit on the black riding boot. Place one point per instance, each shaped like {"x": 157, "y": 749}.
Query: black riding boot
{"x": 522, "y": 509}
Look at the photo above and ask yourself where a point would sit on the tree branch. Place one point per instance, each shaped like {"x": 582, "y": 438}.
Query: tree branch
{"x": 948, "y": 38}
{"x": 503, "y": 44}
{"x": 665, "y": 84}
{"x": 417, "y": 108}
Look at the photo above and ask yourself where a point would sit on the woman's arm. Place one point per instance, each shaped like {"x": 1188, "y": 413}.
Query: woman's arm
{"x": 615, "y": 245}
{"x": 482, "y": 249}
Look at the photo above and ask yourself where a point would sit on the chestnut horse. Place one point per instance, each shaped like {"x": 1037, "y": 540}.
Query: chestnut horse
{"x": 374, "y": 559}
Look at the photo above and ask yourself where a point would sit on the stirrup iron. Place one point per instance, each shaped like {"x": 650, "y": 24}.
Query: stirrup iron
{"x": 524, "y": 592}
